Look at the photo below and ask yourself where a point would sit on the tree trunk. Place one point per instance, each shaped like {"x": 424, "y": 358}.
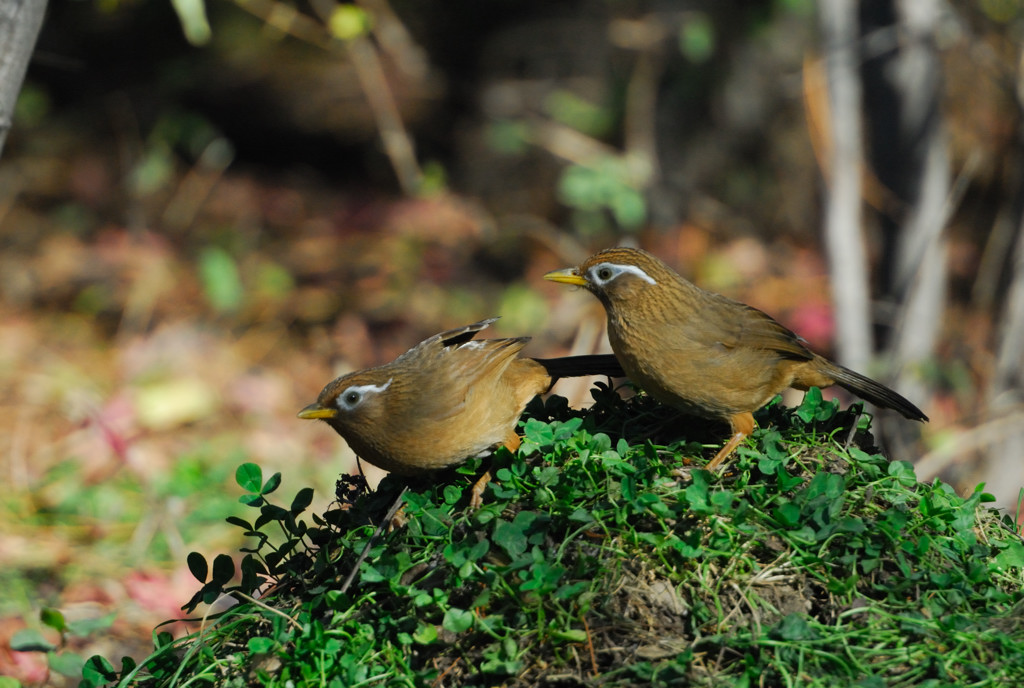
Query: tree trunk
{"x": 20, "y": 21}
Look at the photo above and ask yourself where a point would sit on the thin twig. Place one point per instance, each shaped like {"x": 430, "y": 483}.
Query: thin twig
{"x": 366, "y": 550}
{"x": 754, "y": 614}
{"x": 451, "y": 667}
{"x": 268, "y": 608}
{"x": 393, "y": 134}
{"x": 590, "y": 647}
{"x": 369, "y": 71}
{"x": 853, "y": 429}
{"x": 289, "y": 21}
{"x": 988, "y": 433}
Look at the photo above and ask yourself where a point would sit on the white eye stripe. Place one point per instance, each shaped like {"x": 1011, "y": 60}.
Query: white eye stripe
{"x": 353, "y": 396}
{"x": 613, "y": 270}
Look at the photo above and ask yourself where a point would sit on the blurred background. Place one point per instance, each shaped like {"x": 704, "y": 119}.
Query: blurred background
{"x": 207, "y": 211}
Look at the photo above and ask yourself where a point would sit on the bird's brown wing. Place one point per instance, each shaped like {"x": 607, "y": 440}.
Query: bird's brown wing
{"x": 459, "y": 335}
{"x": 455, "y": 370}
{"x": 449, "y": 363}
{"x": 463, "y": 402}
{"x": 735, "y": 325}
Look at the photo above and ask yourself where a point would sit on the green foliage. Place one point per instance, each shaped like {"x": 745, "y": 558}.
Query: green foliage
{"x": 572, "y": 110}
{"x": 603, "y": 187}
{"x": 602, "y": 556}
{"x": 222, "y": 284}
{"x": 347, "y": 22}
{"x": 194, "y": 24}
{"x": 697, "y": 38}
{"x": 177, "y": 132}
{"x": 190, "y": 498}
{"x": 58, "y": 657}
{"x": 265, "y": 560}
{"x": 1003, "y": 11}
{"x": 32, "y": 107}
{"x": 509, "y": 137}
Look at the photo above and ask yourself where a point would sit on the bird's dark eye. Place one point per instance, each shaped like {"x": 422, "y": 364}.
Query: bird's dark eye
{"x": 360, "y": 395}
{"x": 604, "y": 274}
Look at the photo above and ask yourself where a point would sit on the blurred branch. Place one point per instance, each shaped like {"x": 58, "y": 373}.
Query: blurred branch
{"x": 646, "y": 37}
{"x": 818, "y": 113}
{"x": 397, "y": 142}
{"x": 1009, "y": 381}
{"x": 567, "y": 143}
{"x": 992, "y": 432}
{"x": 20, "y": 21}
{"x": 369, "y": 69}
{"x": 197, "y": 185}
{"x": 921, "y": 265}
{"x": 1006, "y": 229}
{"x": 370, "y": 72}
{"x": 395, "y": 39}
{"x": 988, "y": 281}
{"x": 1010, "y": 353}
{"x": 843, "y": 237}
{"x": 288, "y": 20}
{"x": 1007, "y": 389}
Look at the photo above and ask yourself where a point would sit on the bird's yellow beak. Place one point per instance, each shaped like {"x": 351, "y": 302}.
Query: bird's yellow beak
{"x": 566, "y": 276}
{"x": 317, "y": 412}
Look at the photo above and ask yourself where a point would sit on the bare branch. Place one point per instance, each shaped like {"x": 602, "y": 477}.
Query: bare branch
{"x": 20, "y": 21}
{"x": 843, "y": 236}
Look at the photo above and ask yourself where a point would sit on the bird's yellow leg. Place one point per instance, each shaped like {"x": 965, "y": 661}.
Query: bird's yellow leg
{"x": 742, "y": 426}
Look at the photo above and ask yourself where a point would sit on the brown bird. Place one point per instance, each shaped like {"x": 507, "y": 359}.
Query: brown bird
{"x": 703, "y": 353}
{"x": 449, "y": 398}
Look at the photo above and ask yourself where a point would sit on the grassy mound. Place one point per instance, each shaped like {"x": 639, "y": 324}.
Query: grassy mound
{"x": 603, "y": 558}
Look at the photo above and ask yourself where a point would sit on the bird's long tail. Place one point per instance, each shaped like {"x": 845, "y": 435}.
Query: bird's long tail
{"x": 875, "y": 392}
{"x": 581, "y": 366}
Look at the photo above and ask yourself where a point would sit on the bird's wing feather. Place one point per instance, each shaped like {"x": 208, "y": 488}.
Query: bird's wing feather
{"x": 459, "y": 335}
{"x": 739, "y": 325}
{"x": 464, "y": 366}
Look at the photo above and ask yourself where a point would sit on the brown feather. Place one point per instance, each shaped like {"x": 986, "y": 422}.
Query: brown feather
{"x": 446, "y": 399}
{"x": 702, "y": 352}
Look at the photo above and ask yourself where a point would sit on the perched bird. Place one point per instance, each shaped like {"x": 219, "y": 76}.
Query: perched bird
{"x": 449, "y": 398}
{"x": 703, "y": 353}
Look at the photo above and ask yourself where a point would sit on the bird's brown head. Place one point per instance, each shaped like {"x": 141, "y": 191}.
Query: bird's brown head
{"x": 353, "y": 403}
{"x": 618, "y": 275}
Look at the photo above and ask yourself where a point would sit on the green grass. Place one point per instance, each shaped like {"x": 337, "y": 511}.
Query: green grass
{"x": 601, "y": 557}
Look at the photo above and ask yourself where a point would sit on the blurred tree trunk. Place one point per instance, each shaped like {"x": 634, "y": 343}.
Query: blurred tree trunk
{"x": 848, "y": 264}
{"x": 20, "y": 21}
{"x": 901, "y": 79}
{"x": 909, "y": 154}
{"x": 1005, "y": 398}
{"x": 918, "y": 274}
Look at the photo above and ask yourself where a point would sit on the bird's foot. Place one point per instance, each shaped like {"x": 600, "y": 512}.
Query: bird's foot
{"x": 725, "y": 452}
{"x": 476, "y": 493}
